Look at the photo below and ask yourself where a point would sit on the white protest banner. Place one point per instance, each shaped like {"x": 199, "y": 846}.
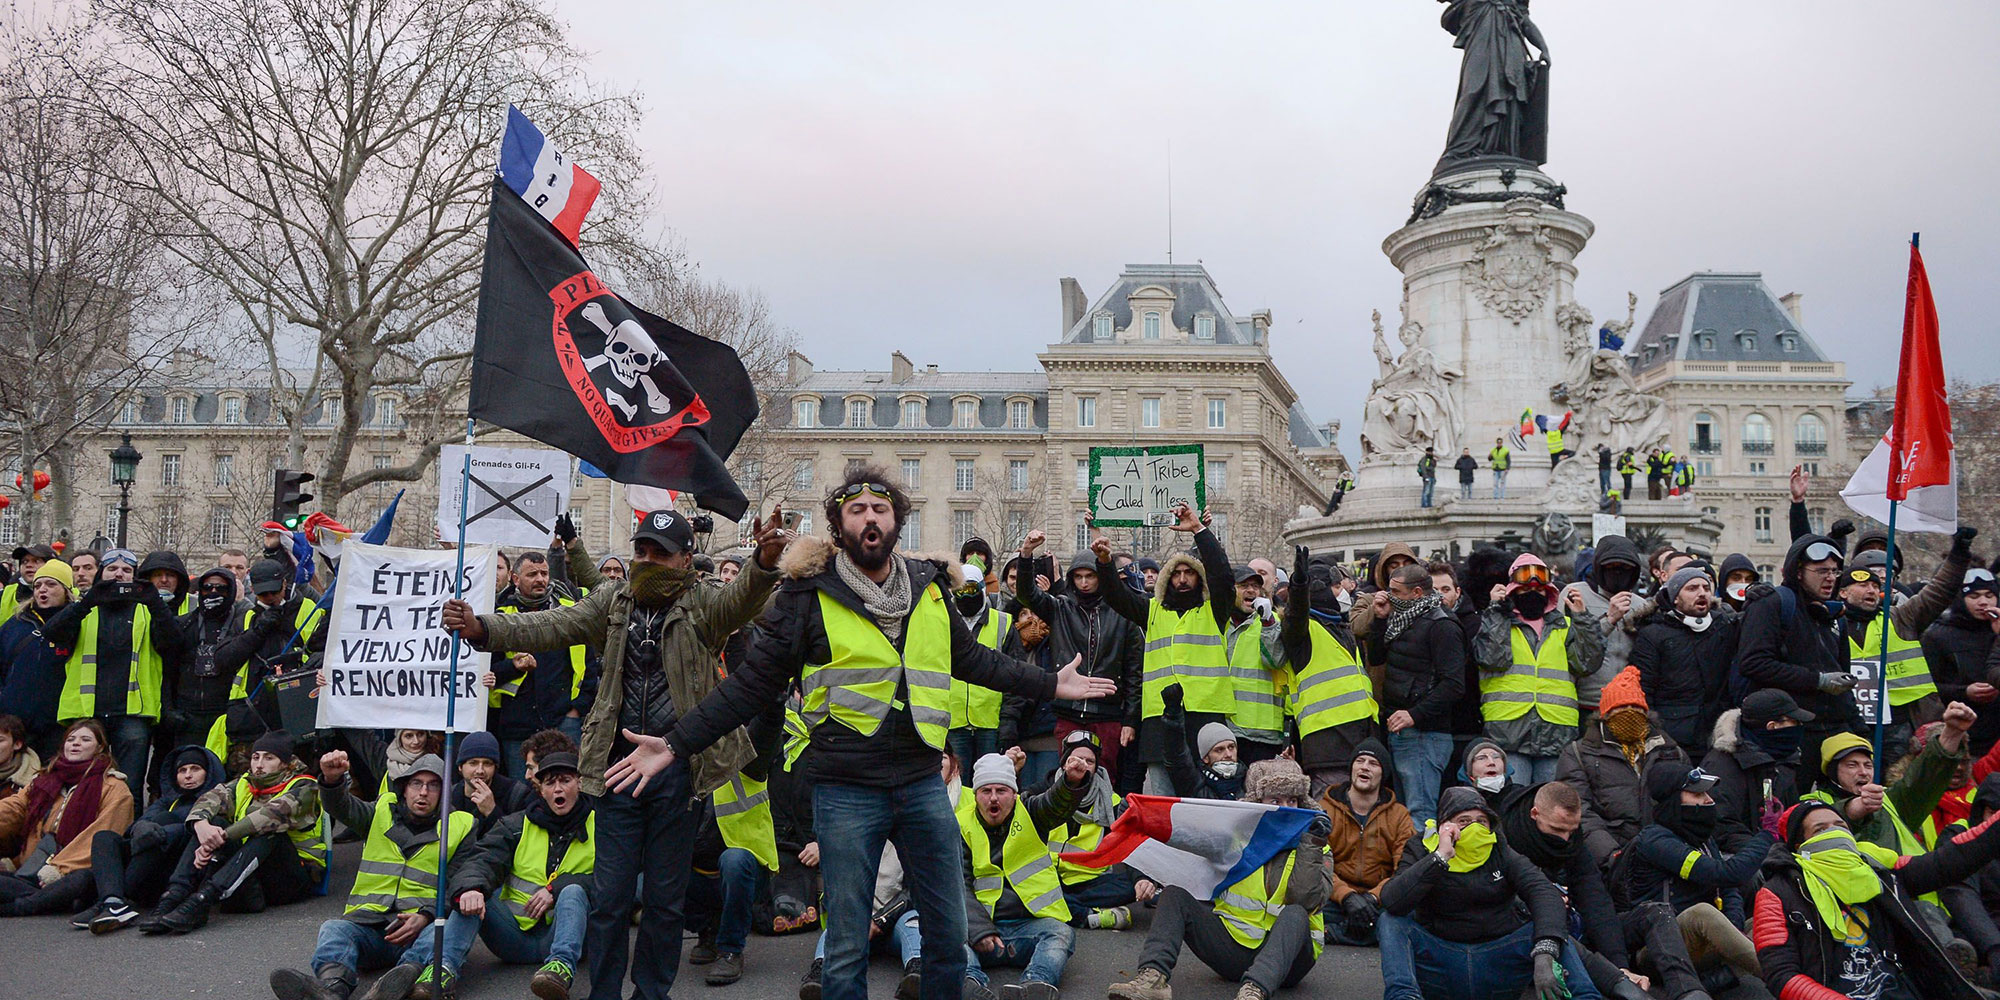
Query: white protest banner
{"x": 1139, "y": 487}
{"x": 1867, "y": 689}
{"x": 388, "y": 655}
{"x": 515, "y": 494}
{"x": 1603, "y": 525}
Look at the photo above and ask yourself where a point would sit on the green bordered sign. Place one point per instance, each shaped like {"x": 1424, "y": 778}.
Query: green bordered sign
{"x": 1139, "y": 487}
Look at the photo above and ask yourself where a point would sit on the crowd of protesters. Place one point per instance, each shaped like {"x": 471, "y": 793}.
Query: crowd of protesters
{"x": 1659, "y": 777}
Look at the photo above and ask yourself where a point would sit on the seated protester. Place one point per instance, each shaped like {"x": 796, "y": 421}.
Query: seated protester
{"x": 1218, "y": 775}
{"x": 1958, "y": 646}
{"x": 1542, "y": 824}
{"x": 134, "y": 867}
{"x": 1966, "y": 778}
{"x": 1330, "y": 697}
{"x": 1675, "y": 860}
{"x": 1014, "y": 908}
{"x": 1835, "y": 917}
{"x": 1975, "y": 901}
{"x": 482, "y": 789}
{"x": 46, "y": 832}
{"x": 892, "y": 920}
{"x": 1485, "y": 770}
{"x": 258, "y": 841}
{"x": 1467, "y": 916}
{"x": 1888, "y": 817}
{"x": 525, "y": 889}
{"x": 735, "y": 853}
{"x": 18, "y": 762}
{"x": 1683, "y": 652}
{"x": 1264, "y": 929}
{"x": 1369, "y": 831}
{"x": 1530, "y": 654}
{"x": 1097, "y": 897}
{"x": 389, "y": 913}
{"x": 1754, "y": 758}
{"x": 538, "y": 747}
{"x": 1607, "y": 764}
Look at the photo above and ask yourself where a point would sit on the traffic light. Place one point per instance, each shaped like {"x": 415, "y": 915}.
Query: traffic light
{"x": 288, "y": 495}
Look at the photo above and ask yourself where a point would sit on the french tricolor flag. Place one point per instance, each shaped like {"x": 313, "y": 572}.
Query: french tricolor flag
{"x": 536, "y": 170}
{"x": 1200, "y": 845}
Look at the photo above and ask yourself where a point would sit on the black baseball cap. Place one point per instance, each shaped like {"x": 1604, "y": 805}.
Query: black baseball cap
{"x": 1770, "y": 704}
{"x": 667, "y": 529}
{"x": 561, "y": 760}
{"x": 38, "y": 550}
{"x": 1667, "y": 777}
{"x": 1242, "y": 572}
{"x": 267, "y": 576}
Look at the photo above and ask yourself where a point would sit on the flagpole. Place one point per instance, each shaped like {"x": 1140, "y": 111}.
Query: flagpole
{"x": 1882, "y": 658}
{"x": 450, "y": 720}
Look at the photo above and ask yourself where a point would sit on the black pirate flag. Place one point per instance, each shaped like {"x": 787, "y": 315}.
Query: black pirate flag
{"x": 560, "y": 357}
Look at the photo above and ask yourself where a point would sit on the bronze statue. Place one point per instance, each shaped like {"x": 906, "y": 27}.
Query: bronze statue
{"x": 1503, "y": 92}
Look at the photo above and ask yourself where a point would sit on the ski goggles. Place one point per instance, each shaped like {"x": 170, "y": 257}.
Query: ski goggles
{"x": 1525, "y": 575}
{"x": 1820, "y": 552}
{"x": 852, "y": 490}
{"x": 1978, "y": 579}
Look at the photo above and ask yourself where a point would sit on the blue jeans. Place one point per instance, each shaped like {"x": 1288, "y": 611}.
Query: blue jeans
{"x": 559, "y": 935}
{"x": 131, "y": 737}
{"x": 968, "y": 744}
{"x": 1525, "y": 770}
{"x": 344, "y": 942}
{"x": 1418, "y": 964}
{"x": 908, "y": 939}
{"x": 1499, "y": 484}
{"x": 741, "y": 876}
{"x": 642, "y": 853}
{"x": 1430, "y": 486}
{"x": 1113, "y": 888}
{"x": 1603, "y": 481}
{"x": 1043, "y": 945}
{"x": 853, "y": 822}
{"x": 512, "y": 763}
{"x": 1420, "y": 761}
{"x": 1465, "y": 489}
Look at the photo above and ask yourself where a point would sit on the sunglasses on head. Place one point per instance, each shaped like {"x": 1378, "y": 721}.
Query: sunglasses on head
{"x": 1530, "y": 574}
{"x": 852, "y": 490}
{"x": 1973, "y": 576}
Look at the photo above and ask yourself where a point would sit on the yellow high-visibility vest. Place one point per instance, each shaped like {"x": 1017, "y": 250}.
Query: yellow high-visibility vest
{"x": 1028, "y": 865}
{"x": 1185, "y": 648}
{"x": 529, "y": 872}
{"x": 743, "y": 816}
{"x": 513, "y": 687}
{"x": 1538, "y": 681}
{"x": 1331, "y": 689}
{"x": 858, "y": 686}
{"x": 143, "y": 678}
{"x": 1248, "y": 912}
{"x": 1258, "y": 706}
{"x": 1909, "y": 673}
{"x": 310, "y": 843}
{"x": 972, "y": 705}
{"x": 388, "y": 882}
{"x": 1076, "y": 836}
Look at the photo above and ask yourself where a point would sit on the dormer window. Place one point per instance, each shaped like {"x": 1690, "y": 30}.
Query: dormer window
{"x": 1651, "y": 353}
{"x": 1100, "y": 327}
{"x": 1788, "y": 343}
{"x": 913, "y": 413}
{"x": 128, "y": 413}
{"x": 183, "y": 409}
{"x": 1151, "y": 326}
{"x": 805, "y": 412}
{"x": 1704, "y": 342}
{"x": 857, "y": 412}
{"x": 1747, "y": 341}
{"x": 232, "y": 410}
{"x": 329, "y": 411}
{"x": 385, "y": 411}
{"x": 1204, "y": 327}
{"x": 965, "y": 413}
{"x": 1020, "y": 414}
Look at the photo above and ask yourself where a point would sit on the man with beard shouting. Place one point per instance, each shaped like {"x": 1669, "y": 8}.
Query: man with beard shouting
{"x": 661, "y": 633}
{"x": 874, "y": 644}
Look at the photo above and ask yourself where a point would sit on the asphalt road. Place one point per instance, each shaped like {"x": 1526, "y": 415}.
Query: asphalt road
{"x": 44, "y": 959}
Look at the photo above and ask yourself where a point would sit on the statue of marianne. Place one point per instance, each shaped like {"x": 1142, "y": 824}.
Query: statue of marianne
{"x": 1503, "y": 92}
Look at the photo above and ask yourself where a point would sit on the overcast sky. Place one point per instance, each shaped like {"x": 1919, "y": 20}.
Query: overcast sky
{"x": 919, "y": 176}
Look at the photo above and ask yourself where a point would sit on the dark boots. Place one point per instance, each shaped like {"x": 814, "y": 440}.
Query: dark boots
{"x": 192, "y": 913}
{"x": 176, "y": 894}
{"x": 335, "y": 982}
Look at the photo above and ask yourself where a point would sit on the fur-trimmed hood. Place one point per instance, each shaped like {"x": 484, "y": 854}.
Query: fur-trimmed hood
{"x": 809, "y": 556}
{"x": 1727, "y": 736}
{"x": 1167, "y": 571}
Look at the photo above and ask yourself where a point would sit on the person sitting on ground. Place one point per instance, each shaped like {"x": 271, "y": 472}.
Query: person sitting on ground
{"x": 1888, "y": 817}
{"x": 525, "y": 889}
{"x": 46, "y": 832}
{"x": 1607, "y": 766}
{"x": 134, "y": 867}
{"x": 482, "y": 788}
{"x": 1263, "y": 930}
{"x": 258, "y": 841}
{"x": 1098, "y": 898}
{"x": 18, "y": 762}
{"x": 1675, "y": 860}
{"x": 1542, "y": 824}
{"x": 1369, "y": 831}
{"x": 538, "y": 747}
{"x": 389, "y": 913}
{"x": 1485, "y": 771}
{"x": 1465, "y": 915}
{"x": 1836, "y": 915}
{"x": 1754, "y": 758}
{"x": 1015, "y": 912}
{"x": 1218, "y": 776}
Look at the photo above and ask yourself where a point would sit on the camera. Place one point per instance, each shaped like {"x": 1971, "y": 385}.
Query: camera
{"x": 702, "y": 524}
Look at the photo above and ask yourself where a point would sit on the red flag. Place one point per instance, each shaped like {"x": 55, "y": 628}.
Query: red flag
{"x": 1920, "y": 440}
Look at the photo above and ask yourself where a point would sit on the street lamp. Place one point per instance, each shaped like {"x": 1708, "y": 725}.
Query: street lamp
{"x": 124, "y": 472}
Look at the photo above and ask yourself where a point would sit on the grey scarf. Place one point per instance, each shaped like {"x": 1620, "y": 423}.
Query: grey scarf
{"x": 1401, "y": 618}
{"x": 888, "y": 602}
{"x": 1094, "y": 803}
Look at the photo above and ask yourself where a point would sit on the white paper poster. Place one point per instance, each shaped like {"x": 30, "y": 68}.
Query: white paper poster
{"x": 514, "y": 494}
{"x": 388, "y": 657}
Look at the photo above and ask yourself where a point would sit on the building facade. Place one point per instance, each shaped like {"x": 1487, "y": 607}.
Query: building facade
{"x": 1751, "y": 395}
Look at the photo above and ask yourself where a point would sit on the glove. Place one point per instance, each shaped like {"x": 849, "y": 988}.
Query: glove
{"x": 48, "y": 875}
{"x": 1757, "y": 592}
{"x": 1772, "y": 818}
{"x": 1961, "y": 540}
{"x": 1549, "y": 982}
{"x": 1359, "y": 911}
{"x": 1837, "y": 683}
{"x": 1301, "y": 564}
{"x": 1320, "y": 827}
{"x": 1841, "y": 529}
{"x": 564, "y": 529}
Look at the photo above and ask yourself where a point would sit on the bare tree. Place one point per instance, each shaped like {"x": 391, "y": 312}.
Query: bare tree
{"x": 327, "y": 163}
{"x": 1010, "y": 505}
{"x": 89, "y": 304}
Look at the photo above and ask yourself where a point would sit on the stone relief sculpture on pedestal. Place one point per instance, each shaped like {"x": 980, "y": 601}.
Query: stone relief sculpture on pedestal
{"x": 1511, "y": 272}
{"x": 1598, "y": 385}
{"x": 1413, "y": 405}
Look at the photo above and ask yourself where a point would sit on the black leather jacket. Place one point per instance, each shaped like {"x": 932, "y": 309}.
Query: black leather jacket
{"x": 1110, "y": 646}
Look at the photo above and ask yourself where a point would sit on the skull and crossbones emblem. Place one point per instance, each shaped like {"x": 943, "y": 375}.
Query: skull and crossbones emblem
{"x": 631, "y": 355}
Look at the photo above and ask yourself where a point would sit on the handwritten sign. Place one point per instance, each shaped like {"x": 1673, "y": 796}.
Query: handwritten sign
{"x": 1139, "y": 487}
{"x": 388, "y": 658}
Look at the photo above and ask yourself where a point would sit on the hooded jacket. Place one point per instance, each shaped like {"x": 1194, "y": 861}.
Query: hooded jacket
{"x": 1730, "y": 564}
{"x": 1214, "y": 586}
{"x": 1615, "y": 805}
{"x": 1613, "y": 551}
{"x": 170, "y": 805}
{"x": 1363, "y": 617}
{"x": 1085, "y": 625}
{"x": 1961, "y": 652}
{"x": 794, "y": 634}
{"x": 293, "y": 807}
{"x": 1486, "y": 903}
{"x": 163, "y": 559}
{"x": 1684, "y": 673}
{"x": 1787, "y": 642}
{"x": 1746, "y": 776}
{"x": 201, "y": 688}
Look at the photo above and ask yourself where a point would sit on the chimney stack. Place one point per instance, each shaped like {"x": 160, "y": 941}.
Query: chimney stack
{"x": 900, "y": 368}
{"x": 1795, "y": 304}
{"x": 798, "y": 367}
{"x": 1073, "y": 305}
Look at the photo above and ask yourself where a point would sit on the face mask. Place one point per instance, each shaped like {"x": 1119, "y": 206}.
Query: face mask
{"x": 1224, "y": 768}
{"x": 214, "y": 602}
{"x": 1402, "y": 603}
{"x": 969, "y": 604}
{"x": 1346, "y": 600}
{"x": 1554, "y": 845}
{"x": 1491, "y": 783}
{"x": 1617, "y": 579}
{"x": 653, "y": 585}
{"x": 1697, "y": 823}
{"x": 1779, "y": 743}
{"x": 1737, "y": 590}
{"x": 1529, "y": 604}
{"x": 1627, "y": 726}
{"x": 167, "y": 596}
{"x": 1697, "y": 624}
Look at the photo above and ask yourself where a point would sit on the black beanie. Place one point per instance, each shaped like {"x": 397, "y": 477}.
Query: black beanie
{"x": 277, "y": 742}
